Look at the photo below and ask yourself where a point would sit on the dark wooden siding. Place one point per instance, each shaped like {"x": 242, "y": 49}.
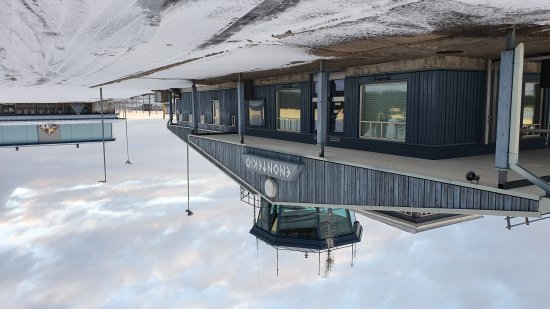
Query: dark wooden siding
{"x": 443, "y": 107}
{"x": 185, "y": 105}
{"x": 268, "y": 94}
{"x": 460, "y": 107}
{"x": 546, "y": 95}
{"x": 325, "y": 182}
{"x": 228, "y": 104}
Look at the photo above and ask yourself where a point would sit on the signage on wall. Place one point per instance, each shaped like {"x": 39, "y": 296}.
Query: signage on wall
{"x": 273, "y": 168}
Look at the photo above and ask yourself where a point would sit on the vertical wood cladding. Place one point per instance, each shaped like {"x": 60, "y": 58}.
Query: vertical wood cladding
{"x": 354, "y": 185}
{"x": 228, "y": 104}
{"x": 443, "y": 107}
{"x": 268, "y": 93}
{"x": 185, "y": 105}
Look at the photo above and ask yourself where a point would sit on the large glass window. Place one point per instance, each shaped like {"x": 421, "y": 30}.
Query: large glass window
{"x": 289, "y": 103}
{"x": 531, "y": 108}
{"x": 256, "y": 113}
{"x": 383, "y": 111}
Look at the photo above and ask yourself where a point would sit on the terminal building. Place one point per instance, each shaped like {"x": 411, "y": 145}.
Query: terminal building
{"x": 27, "y": 125}
{"x": 415, "y": 125}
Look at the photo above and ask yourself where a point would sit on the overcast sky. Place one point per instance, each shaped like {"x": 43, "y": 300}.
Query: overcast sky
{"x": 68, "y": 241}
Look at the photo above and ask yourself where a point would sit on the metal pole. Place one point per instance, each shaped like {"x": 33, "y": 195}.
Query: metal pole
{"x": 504, "y": 111}
{"x": 322, "y": 109}
{"x": 352, "y": 255}
{"x": 126, "y": 124}
{"x": 319, "y": 265}
{"x": 103, "y": 137}
{"x": 488, "y": 92}
{"x": 195, "y": 103}
{"x": 170, "y": 111}
{"x": 277, "y": 262}
{"x": 189, "y": 212}
{"x": 240, "y": 108}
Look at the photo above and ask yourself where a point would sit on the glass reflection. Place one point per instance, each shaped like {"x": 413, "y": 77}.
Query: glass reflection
{"x": 305, "y": 229}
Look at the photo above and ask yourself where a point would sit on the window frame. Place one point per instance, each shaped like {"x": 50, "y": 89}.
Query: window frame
{"x": 362, "y": 106}
{"x": 263, "y": 113}
{"x": 277, "y": 91}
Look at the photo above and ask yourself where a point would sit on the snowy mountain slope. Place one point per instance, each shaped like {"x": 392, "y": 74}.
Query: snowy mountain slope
{"x": 69, "y": 45}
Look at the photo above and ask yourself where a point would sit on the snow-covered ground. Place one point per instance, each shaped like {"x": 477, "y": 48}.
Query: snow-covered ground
{"x": 55, "y": 50}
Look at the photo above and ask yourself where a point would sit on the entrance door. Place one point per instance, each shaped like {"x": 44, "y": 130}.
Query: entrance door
{"x": 216, "y": 111}
{"x": 337, "y": 106}
{"x": 531, "y": 109}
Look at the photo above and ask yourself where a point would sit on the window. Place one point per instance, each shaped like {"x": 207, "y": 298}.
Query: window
{"x": 216, "y": 112}
{"x": 288, "y": 109}
{"x": 336, "y": 102}
{"x": 256, "y": 113}
{"x": 337, "y": 105}
{"x": 531, "y": 108}
{"x": 383, "y": 111}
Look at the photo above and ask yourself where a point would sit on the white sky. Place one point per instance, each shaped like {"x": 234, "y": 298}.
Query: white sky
{"x": 68, "y": 241}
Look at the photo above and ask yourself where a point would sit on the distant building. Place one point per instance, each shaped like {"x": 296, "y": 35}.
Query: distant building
{"x": 55, "y": 123}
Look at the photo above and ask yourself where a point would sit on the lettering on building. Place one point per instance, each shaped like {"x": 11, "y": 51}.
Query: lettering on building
{"x": 273, "y": 168}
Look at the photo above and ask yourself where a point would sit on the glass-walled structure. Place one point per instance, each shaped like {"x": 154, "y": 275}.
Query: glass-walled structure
{"x": 306, "y": 228}
{"x": 50, "y": 133}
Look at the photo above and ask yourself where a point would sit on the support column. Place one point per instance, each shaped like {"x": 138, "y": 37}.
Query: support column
{"x": 170, "y": 108}
{"x": 240, "y": 108}
{"x": 515, "y": 116}
{"x": 488, "y": 91}
{"x": 195, "y": 103}
{"x": 322, "y": 109}
{"x": 103, "y": 137}
{"x": 504, "y": 110}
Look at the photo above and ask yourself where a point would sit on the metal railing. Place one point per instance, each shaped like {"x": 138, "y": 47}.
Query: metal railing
{"x": 250, "y": 198}
{"x": 288, "y": 124}
{"x": 383, "y": 130}
{"x": 530, "y": 130}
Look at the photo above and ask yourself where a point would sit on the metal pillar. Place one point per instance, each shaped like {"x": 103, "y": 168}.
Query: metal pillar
{"x": 504, "y": 110}
{"x": 103, "y": 137}
{"x": 195, "y": 102}
{"x": 488, "y": 85}
{"x": 126, "y": 125}
{"x": 240, "y": 108}
{"x": 322, "y": 109}
{"x": 189, "y": 212}
{"x": 515, "y": 105}
{"x": 509, "y": 117}
{"x": 170, "y": 108}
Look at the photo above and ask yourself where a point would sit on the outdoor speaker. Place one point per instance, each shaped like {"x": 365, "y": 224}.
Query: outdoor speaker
{"x": 545, "y": 74}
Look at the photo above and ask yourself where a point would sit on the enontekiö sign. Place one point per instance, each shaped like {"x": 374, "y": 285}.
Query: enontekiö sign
{"x": 273, "y": 168}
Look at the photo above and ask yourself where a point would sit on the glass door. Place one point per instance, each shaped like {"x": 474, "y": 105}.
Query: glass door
{"x": 531, "y": 109}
